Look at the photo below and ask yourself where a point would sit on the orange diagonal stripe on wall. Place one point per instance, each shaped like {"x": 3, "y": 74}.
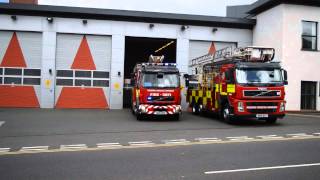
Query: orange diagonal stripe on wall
{"x": 13, "y": 56}
{"x": 83, "y": 59}
{"x": 18, "y": 96}
{"x": 212, "y": 48}
{"x": 76, "y": 97}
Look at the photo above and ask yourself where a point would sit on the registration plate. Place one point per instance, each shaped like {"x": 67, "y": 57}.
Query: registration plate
{"x": 160, "y": 112}
{"x": 262, "y": 115}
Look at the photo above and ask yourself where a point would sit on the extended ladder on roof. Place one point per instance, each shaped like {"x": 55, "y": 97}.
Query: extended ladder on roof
{"x": 248, "y": 54}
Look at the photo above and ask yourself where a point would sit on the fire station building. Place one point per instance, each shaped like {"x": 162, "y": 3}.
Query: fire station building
{"x": 73, "y": 57}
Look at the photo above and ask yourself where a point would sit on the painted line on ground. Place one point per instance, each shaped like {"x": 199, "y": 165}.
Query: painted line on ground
{"x": 208, "y": 139}
{"x": 73, "y": 146}
{"x": 35, "y": 148}
{"x": 262, "y": 168}
{"x": 4, "y": 150}
{"x": 237, "y": 138}
{"x": 108, "y": 145}
{"x": 166, "y": 143}
{"x": 1, "y": 123}
{"x": 270, "y": 137}
{"x": 141, "y": 143}
{"x": 176, "y": 141}
{"x": 295, "y": 135}
{"x": 303, "y": 115}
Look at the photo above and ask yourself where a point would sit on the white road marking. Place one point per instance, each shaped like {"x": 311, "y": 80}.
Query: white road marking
{"x": 74, "y": 146}
{"x": 296, "y": 135}
{"x": 270, "y": 137}
{"x": 108, "y": 145}
{"x": 4, "y": 150}
{"x": 239, "y": 138}
{"x": 208, "y": 139}
{"x": 303, "y": 115}
{"x": 141, "y": 143}
{"x": 1, "y": 123}
{"x": 176, "y": 141}
{"x": 35, "y": 148}
{"x": 262, "y": 168}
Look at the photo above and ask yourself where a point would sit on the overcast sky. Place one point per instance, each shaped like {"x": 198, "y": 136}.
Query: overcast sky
{"x": 200, "y": 7}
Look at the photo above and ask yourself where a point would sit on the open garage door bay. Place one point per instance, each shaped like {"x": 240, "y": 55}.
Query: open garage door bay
{"x": 83, "y": 71}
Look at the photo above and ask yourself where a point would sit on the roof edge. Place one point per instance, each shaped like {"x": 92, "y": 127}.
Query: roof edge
{"x": 125, "y": 15}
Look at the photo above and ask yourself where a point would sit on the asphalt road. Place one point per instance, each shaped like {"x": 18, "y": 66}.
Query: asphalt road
{"x": 169, "y": 149}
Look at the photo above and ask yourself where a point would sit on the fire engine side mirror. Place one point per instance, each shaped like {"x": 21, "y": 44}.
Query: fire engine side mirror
{"x": 285, "y": 76}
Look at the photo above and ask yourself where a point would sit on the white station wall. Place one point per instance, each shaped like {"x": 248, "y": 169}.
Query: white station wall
{"x": 118, "y": 30}
{"x": 281, "y": 28}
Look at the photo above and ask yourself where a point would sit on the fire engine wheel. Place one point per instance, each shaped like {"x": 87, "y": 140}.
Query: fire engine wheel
{"x": 271, "y": 120}
{"x": 176, "y": 117}
{"x": 226, "y": 114}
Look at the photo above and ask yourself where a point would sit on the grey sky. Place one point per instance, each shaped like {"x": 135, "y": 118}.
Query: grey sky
{"x": 200, "y": 7}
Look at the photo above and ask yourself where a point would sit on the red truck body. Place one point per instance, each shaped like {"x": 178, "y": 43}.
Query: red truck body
{"x": 156, "y": 90}
{"x": 235, "y": 88}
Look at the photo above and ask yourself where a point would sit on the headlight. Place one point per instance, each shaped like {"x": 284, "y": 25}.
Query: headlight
{"x": 142, "y": 108}
{"x": 282, "y": 107}
{"x": 240, "y": 107}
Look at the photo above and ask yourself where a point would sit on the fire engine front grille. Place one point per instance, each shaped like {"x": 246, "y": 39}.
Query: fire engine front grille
{"x": 262, "y": 107}
{"x": 259, "y": 93}
{"x": 262, "y": 111}
{"x": 162, "y": 98}
{"x": 262, "y": 103}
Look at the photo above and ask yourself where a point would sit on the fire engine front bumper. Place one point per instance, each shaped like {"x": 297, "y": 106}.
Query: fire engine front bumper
{"x": 159, "y": 109}
{"x": 258, "y": 116}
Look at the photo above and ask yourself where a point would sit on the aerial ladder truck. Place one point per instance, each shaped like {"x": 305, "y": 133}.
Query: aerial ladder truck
{"x": 236, "y": 83}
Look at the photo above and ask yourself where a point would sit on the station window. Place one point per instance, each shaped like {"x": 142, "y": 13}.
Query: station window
{"x": 309, "y": 35}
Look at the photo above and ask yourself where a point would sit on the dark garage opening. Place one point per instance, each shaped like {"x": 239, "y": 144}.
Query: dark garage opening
{"x": 138, "y": 50}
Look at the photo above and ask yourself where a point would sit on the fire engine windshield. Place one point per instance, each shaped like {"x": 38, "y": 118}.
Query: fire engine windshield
{"x": 153, "y": 80}
{"x": 264, "y": 76}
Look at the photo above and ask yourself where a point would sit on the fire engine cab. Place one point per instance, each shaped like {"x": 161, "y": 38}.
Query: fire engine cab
{"x": 238, "y": 83}
{"x": 156, "y": 89}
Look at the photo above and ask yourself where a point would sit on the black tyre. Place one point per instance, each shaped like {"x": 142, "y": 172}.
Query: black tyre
{"x": 226, "y": 114}
{"x": 176, "y": 117}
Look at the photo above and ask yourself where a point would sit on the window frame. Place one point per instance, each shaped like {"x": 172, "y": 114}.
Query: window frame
{"x": 75, "y": 78}
{"x": 310, "y": 36}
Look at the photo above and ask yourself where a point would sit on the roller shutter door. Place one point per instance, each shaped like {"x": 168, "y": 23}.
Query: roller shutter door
{"x": 20, "y": 69}
{"x": 83, "y": 71}
{"x": 200, "y": 48}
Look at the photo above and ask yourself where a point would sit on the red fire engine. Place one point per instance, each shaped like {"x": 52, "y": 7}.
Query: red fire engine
{"x": 238, "y": 83}
{"x": 156, "y": 89}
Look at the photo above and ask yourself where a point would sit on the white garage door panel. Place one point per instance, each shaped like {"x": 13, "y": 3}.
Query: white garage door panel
{"x": 200, "y": 48}
{"x": 20, "y": 64}
{"x": 85, "y": 80}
